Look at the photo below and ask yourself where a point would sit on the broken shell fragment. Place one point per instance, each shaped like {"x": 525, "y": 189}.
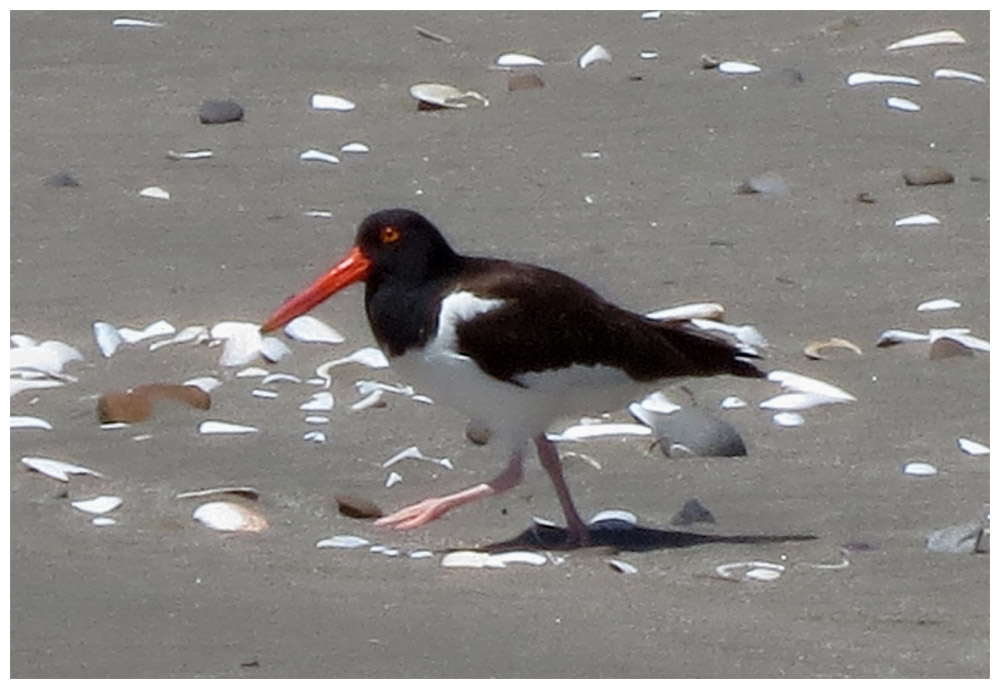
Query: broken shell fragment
{"x": 972, "y": 447}
{"x": 599, "y": 430}
{"x": 942, "y": 304}
{"x": 317, "y": 419}
{"x": 357, "y": 507}
{"x": 323, "y": 101}
{"x": 230, "y": 517}
{"x": 102, "y": 504}
{"x": 155, "y": 193}
{"x": 945, "y": 73}
{"x": 192, "y": 333}
{"x": 354, "y": 147}
{"x": 511, "y": 60}
{"x": 342, "y": 542}
{"x": 108, "y": 338}
{"x": 372, "y": 399}
{"x": 189, "y": 155}
{"x": 57, "y": 469}
{"x": 904, "y": 104}
{"x": 796, "y": 382}
{"x": 315, "y": 437}
{"x": 861, "y": 78}
{"x": 159, "y": 328}
{"x": 814, "y": 350}
{"x": 595, "y": 53}
{"x": 709, "y": 311}
{"x": 318, "y": 156}
{"x": 241, "y": 491}
{"x": 519, "y": 557}
{"x": 472, "y": 559}
{"x": 919, "y": 469}
{"x": 622, "y": 566}
{"x": 206, "y": 383}
{"x": 732, "y": 402}
{"x": 945, "y": 37}
{"x": 223, "y": 427}
{"x": 366, "y": 356}
{"x": 761, "y": 571}
{"x": 895, "y": 337}
{"x": 413, "y": 452}
{"x": 312, "y": 329}
{"x": 798, "y": 401}
{"x": 444, "y": 95}
{"x": 321, "y": 401}
{"x": 431, "y": 35}
{"x": 129, "y": 22}
{"x": 136, "y": 404}
{"x": 735, "y": 67}
{"x": 28, "y": 422}
{"x": 392, "y": 479}
{"x": 788, "y": 419}
{"x": 264, "y": 394}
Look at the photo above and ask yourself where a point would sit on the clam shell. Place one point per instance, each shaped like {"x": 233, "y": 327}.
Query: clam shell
{"x": 861, "y": 78}
{"x": 944, "y": 37}
{"x": 732, "y": 402}
{"x": 444, "y": 95}
{"x": 102, "y": 504}
{"x": 651, "y": 14}
{"x": 902, "y": 104}
{"x": 895, "y": 336}
{"x": 613, "y": 519}
{"x": 48, "y": 357}
{"x": 372, "y": 399}
{"x": 729, "y": 571}
{"x": 745, "y": 334}
{"x": 473, "y": 559}
{"x": 264, "y": 394}
{"x": 206, "y": 383}
{"x": 242, "y": 342}
{"x": 230, "y": 517}
{"x": 510, "y": 60}
{"x": 323, "y": 101}
{"x": 343, "y": 542}
{"x": 595, "y": 53}
{"x": 797, "y": 401}
{"x": 278, "y": 377}
{"x": 224, "y": 427}
{"x": 318, "y": 156}
{"x": 57, "y": 469}
{"x": 316, "y": 420}
{"x": 312, "y": 329}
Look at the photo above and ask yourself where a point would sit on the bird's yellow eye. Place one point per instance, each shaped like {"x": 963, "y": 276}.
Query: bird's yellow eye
{"x": 389, "y": 234}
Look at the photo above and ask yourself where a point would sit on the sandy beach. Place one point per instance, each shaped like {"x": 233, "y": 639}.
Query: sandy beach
{"x": 625, "y": 175}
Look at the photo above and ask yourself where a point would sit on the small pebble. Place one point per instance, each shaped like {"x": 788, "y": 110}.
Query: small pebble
{"x": 932, "y": 174}
{"x": 959, "y": 539}
{"x": 693, "y": 511}
{"x": 220, "y": 111}
{"x": 357, "y": 507}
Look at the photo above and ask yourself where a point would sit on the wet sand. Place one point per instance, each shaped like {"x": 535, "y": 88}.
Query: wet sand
{"x": 159, "y": 595}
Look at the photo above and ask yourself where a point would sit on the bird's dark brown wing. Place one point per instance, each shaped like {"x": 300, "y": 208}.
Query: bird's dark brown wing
{"x": 551, "y": 321}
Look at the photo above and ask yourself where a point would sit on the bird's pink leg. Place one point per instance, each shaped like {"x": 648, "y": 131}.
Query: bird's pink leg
{"x": 549, "y": 457}
{"x": 428, "y": 510}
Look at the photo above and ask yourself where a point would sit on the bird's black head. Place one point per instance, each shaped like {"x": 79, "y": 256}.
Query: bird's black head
{"x": 404, "y": 245}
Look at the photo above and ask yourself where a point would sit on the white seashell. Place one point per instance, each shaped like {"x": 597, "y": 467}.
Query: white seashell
{"x": 919, "y": 469}
{"x": 157, "y": 329}
{"x": 508, "y": 60}
{"x": 972, "y": 447}
{"x": 788, "y": 419}
{"x": 319, "y": 156}
{"x": 230, "y": 516}
{"x": 280, "y": 378}
{"x": 251, "y": 372}
{"x": 686, "y": 312}
{"x": 190, "y": 155}
{"x": 48, "y": 357}
{"x": 961, "y": 336}
{"x": 136, "y": 23}
{"x": 861, "y": 78}
{"x": 114, "y": 426}
{"x": 317, "y": 419}
{"x": 471, "y": 559}
{"x": 264, "y": 394}
{"x": 392, "y": 479}
{"x": 814, "y": 350}
{"x": 323, "y": 101}
{"x": 648, "y": 54}
{"x": 588, "y": 431}
{"x": 244, "y": 491}
{"x": 945, "y": 73}
{"x": 519, "y": 557}
{"x": 19, "y": 385}
{"x": 728, "y": 571}
{"x": 542, "y": 521}
{"x": 102, "y": 504}
{"x": 732, "y": 402}
{"x": 745, "y": 334}
{"x": 312, "y": 329}
{"x": 223, "y": 427}
{"x": 658, "y": 403}
{"x": 192, "y": 333}
{"x": 315, "y": 437}
{"x": 421, "y": 554}
{"x": 107, "y": 337}
{"x": 29, "y": 422}
{"x": 623, "y": 567}
{"x": 595, "y": 53}
{"x": 942, "y": 304}
{"x": 902, "y": 104}
{"x": 652, "y": 14}
{"x": 444, "y": 95}
{"x": 366, "y": 356}
{"x": 413, "y": 452}
{"x": 946, "y": 37}
{"x": 206, "y": 383}
{"x": 591, "y": 155}
{"x": 318, "y": 214}
{"x": 797, "y": 382}
{"x": 343, "y": 542}
{"x": 57, "y": 469}
{"x": 155, "y": 193}
{"x": 894, "y": 337}
{"x": 354, "y": 147}
{"x": 372, "y": 399}
{"x": 103, "y": 521}
{"x": 385, "y": 550}
{"x": 423, "y": 399}
{"x": 733, "y": 67}
{"x": 613, "y": 516}
{"x": 365, "y": 387}
{"x": 797, "y": 401}
{"x": 18, "y": 340}
{"x": 321, "y": 401}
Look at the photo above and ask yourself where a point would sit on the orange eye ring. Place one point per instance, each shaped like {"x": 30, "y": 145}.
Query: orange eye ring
{"x": 389, "y": 234}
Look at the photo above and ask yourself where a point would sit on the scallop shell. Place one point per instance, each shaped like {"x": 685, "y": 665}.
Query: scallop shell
{"x": 444, "y": 95}
{"x": 312, "y": 329}
{"x": 323, "y": 101}
{"x": 945, "y": 37}
{"x": 230, "y": 517}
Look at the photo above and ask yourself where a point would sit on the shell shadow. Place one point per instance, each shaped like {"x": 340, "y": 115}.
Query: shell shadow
{"x": 623, "y": 536}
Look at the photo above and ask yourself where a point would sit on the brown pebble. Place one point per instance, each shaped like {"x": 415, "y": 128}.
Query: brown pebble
{"x": 523, "y": 82}
{"x": 356, "y": 507}
{"x": 864, "y": 197}
{"x": 132, "y": 406}
{"x": 932, "y": 174}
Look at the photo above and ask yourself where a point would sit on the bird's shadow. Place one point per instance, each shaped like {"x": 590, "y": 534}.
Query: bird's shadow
{"x": 624, "y": 536}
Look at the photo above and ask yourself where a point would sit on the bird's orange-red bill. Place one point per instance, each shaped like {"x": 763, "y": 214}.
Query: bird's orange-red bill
{"x": 353, "y": 268}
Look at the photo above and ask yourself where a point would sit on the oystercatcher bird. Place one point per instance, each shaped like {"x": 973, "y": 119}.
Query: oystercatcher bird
{"x": 514, "y": 346}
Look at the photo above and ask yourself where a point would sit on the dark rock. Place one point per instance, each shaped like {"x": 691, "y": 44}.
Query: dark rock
{"x": 692, "y": 512}
{"x": 220, "y": 111}
{"x": 694, "y": 431}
